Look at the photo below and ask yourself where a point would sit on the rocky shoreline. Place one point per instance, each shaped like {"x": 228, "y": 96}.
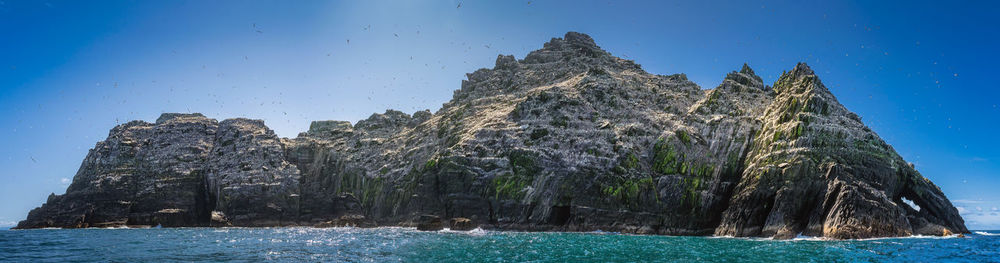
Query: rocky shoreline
{"x": 570, "y": 138}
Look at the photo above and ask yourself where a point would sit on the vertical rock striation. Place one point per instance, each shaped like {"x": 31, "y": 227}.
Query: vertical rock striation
{"x": 569, "y": 138}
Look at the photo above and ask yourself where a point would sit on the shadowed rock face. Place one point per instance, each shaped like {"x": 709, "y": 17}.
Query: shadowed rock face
{"x": 569, "y": 138}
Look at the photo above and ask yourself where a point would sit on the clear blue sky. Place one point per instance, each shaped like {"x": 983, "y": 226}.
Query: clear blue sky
{"x": 921, "y": 74}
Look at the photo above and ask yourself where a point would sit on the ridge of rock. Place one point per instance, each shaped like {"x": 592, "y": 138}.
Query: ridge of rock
{"x": 569, "y": 138}
{"x": 170, "y": 116}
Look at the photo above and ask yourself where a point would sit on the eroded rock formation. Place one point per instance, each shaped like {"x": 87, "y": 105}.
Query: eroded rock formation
{"x": 568, "y": 138}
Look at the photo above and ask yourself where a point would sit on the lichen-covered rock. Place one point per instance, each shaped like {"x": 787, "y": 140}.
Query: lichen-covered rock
{"x": 569, "y": 138}
{"x": 821, "y": 172}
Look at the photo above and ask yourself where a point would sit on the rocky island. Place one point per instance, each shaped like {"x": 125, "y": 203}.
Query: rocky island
{"x": 570, "y": 138}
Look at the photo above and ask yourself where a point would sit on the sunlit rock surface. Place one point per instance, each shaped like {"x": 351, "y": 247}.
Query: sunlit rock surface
{"x": 569, "y": 138}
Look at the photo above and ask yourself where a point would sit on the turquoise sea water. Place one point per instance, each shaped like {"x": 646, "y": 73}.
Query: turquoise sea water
{"x": 409, "y": 245}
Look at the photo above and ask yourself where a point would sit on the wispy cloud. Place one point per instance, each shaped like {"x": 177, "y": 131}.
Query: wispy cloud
{"x": 65, "y": 180}
{"x": 978, "y": 217}
{"x": 982, "y": 221}
{"x": 966, "y": 201}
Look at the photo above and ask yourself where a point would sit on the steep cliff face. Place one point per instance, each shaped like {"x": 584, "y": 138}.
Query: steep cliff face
{"x": 568, "y": 138}
{"x": 143, "y": 173}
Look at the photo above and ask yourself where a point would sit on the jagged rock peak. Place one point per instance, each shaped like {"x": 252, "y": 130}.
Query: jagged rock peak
{"x": 573, "y": 46}
{"x": 746, "y": 69}
{"x": 802, "y": 69}
{"x": 505, "y": 62}
{"x": 801, "y": 77}
{"x": 574, "y": 39}
{"x": 744, "y": 78}
{"x": 169, "y": 116}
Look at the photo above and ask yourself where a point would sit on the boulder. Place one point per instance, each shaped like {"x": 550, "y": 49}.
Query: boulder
{"x": 219, "y": 219}
{"x": 429, "y": 223}
{"x": 461, "y": 224}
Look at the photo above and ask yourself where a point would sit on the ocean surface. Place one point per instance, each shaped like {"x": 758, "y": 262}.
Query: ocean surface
{"x": 409, "y": 245}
